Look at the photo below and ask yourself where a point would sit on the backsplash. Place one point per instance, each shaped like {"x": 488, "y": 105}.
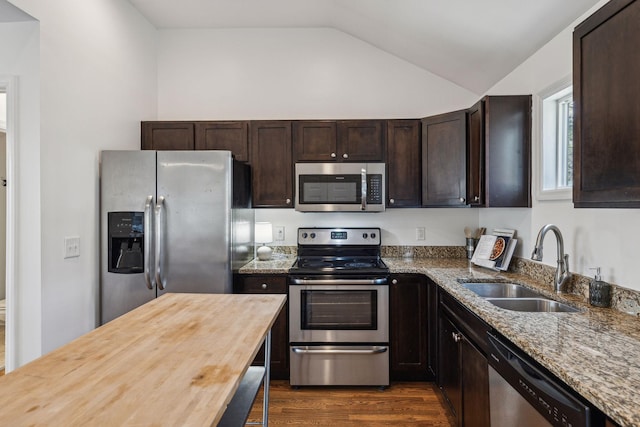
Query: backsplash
{"x": 622, "y": 299}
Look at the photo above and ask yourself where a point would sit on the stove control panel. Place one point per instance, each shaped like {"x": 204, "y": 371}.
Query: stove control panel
{"x": 339, "y": 236}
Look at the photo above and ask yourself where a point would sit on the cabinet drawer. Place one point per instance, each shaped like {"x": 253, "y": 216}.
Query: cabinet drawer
{"x": 262, "y": 285}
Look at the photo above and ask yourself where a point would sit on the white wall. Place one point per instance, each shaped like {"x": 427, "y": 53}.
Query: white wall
{"x": 592, "y": 237}
{"x": 292, "y": 74}
{"x": 98, "y": 71}
{"x": 443, "y": 226}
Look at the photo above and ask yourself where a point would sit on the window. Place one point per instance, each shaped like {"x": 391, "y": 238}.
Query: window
{"x": 556, "y": 159}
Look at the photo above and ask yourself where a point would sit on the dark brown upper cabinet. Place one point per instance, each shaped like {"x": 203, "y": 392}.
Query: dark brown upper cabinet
{"x": 315, "y": 141}
{"x": 606, "y": 89}
{"x": 403, "y": 164}
{"x": 168, "y": 136}
{"x": 499, "y": 152}
{"x": 232, "y": 136}
{"x": 444, "y": 147}
{"x": 339, "y": 141}
{"x": 361, "y": 140}
{"x": 271, "y": 165}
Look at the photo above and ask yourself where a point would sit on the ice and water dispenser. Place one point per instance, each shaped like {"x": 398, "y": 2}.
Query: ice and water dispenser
{"x": 126, "y": 242}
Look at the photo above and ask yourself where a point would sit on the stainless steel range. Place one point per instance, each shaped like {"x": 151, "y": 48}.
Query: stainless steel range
{"x": 339, "y": 309}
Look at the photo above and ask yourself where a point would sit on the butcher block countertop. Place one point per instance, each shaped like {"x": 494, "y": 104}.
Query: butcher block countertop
{"x": 176, "y": 360}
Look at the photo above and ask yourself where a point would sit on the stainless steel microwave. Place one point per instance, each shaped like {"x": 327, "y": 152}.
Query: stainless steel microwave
{"x": 330, "y": 187}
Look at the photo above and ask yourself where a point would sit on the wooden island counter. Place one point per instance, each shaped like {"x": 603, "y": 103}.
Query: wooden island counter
{"x": 176, "y": 361}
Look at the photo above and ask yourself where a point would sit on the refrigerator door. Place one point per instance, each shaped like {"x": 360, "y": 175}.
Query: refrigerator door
{"x": 127, "y": 180}
{"x": 194, "y": 240}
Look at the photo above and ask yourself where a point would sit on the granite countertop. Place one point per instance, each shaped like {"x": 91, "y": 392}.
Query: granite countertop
{"x": 278, "y": 264}
{"x": 595, "y": 351}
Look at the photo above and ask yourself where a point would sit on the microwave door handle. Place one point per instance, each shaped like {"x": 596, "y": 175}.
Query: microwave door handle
{"x": 363, "y": 193}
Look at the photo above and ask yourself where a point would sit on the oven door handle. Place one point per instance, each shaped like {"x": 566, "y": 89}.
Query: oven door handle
{"x": 376, "y": 281}
{"x": 367, "y": 350}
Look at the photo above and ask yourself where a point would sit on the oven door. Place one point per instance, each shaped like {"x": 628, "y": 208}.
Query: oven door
{"x": 339, "y": 311}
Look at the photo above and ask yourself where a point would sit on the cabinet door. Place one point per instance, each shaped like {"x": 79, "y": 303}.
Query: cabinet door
{"x": 475, "y": 155}
{"x": 444, "y": 146}
{"x": 475, "y": 386}
{"x": 408, "y": 328}
{"x": 606, "y": 89}
{"x": 168, "y": 136}
{"x": 449, "y": 373}
{"x": 272, "y": 169}
{"x": 315, "y": 141}
{"x": 270, "y": 284}
{"x": 361, "y": 140}
{"x": 232, "y": 136}
{"x": 507, "y": 147}
{"x": 403, "y": 164}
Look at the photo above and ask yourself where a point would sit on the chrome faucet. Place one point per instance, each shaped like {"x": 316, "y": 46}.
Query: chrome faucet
{"x": 562, "y": 272}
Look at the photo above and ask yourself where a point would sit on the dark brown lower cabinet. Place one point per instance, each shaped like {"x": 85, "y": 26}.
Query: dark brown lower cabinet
{"x": 463, "y": 374}
{"x": 270, "y": 284}
{"x": 408, "y": 330}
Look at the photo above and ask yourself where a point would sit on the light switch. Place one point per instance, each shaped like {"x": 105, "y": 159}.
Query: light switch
{"x": 71, "y": 247}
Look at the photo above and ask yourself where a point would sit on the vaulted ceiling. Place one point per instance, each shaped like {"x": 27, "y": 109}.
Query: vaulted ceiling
{"x": 472, "y": 43}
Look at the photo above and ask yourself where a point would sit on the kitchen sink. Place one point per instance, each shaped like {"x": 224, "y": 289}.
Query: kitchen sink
{"x": 501, "y": 290}
{"x": 532, "y": 305}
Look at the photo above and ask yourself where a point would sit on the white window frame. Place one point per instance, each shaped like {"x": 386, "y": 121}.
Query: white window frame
{"x": 551, "y": 161}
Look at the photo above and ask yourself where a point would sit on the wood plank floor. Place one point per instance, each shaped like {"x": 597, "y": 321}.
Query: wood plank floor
{"x": 406, "y": 403}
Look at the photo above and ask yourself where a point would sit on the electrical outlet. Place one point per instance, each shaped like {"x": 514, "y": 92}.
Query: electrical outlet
{"x": 279, "y": 232}
{"x": 71, "y": 247}
{"x": 420, "y": 233}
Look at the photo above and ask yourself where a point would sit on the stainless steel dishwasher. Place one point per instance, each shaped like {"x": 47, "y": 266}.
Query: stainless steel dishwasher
{"x": 522, "y": 394}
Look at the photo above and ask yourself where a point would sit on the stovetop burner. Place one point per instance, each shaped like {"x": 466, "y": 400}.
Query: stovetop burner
{"x": 339, "y": 251}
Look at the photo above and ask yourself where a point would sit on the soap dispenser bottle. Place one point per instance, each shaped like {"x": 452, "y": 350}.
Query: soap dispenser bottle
{"x": 599, "y": 291}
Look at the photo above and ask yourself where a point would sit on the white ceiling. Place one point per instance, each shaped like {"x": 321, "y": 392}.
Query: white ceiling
{"x": 473, "y": 43}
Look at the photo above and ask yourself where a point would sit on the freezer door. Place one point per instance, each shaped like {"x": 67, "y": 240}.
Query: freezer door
{"x": 127, "y": 179}
{"x": 194, "y": 239}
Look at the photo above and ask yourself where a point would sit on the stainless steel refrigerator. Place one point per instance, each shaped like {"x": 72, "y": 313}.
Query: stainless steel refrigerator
{"x": 171, "y": 221}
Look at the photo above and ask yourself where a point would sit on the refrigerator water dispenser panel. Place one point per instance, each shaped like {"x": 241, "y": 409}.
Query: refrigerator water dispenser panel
{"x": 126, "y": 242}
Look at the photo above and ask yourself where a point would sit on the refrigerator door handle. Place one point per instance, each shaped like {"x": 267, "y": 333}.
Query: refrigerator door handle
{"x": 159, "y": 217}
{"x": 148, "y": 208}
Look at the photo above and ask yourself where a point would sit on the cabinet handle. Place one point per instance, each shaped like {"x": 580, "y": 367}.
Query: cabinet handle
{"x": 264, "y": 286}
{"x": 391, "y": 201}
{"x": 394, "y": 281}
{"x": 461, "y": 199}
{"x": 345, "y": 156}
{"x": 288, "y": 201}
{"x": 476, "y": 198}
{"x": 456, "y": 337}
{"x": 333, "y": 155}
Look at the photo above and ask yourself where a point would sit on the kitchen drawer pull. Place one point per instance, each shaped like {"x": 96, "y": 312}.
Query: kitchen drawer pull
{"x": 333, "y": 155}
{"x": 371, "y": 350}
{"x": 456, "y": 337}
{"x": 345, "y": 156}
{"x": 264, "y": 286}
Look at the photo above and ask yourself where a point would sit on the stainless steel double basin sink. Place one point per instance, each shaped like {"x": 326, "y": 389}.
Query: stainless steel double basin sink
{"x": 515, "y": 297}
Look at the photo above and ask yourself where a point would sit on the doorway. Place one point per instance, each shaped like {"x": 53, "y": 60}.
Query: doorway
{"x": 3, "y": 222}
